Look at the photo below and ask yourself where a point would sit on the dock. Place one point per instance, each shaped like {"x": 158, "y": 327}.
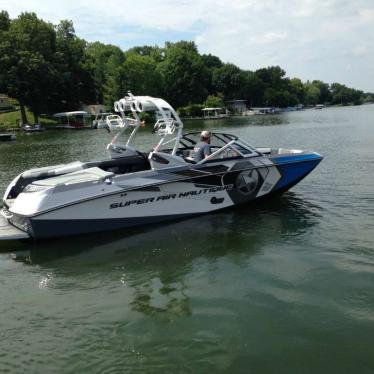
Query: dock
{"x": 7, "y": 137}
{"x": 9, "y": 232}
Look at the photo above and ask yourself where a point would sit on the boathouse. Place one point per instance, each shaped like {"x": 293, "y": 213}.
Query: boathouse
{"x": 4, "y": 102}
{"x": 94, "y": 109}
{"x": 237, "y": 106}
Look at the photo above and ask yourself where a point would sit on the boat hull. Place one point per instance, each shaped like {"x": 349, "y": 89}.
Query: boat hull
{"x": 173, "y": 200}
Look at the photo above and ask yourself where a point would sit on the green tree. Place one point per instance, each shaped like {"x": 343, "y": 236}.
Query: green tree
{"x": 312, "y": 94}
{"x": 107, "y": 61}
{"x": 155, "y": 52}
{"x": 4, "y": 21}
{"x": 253, "y": 89}
{"x": 298, "y": 89}
{"x": 344, "y": 95}
{"x": 76, "y": 83}
{"x": 139, "y": 74}
{"x": 339, "y": 94}
{"x": 215, "y": 101}
{"x": 184, "y": 74}
{"x": 230, "y": 80}
{"x": 210, "y": 62}
{"x": 324, "y": 89}
{"x": 26, "y": 61}
{"x": 191, "y": 110}
{"x": 4, "y": 27}
{"x": 275, "y": 87}
{"x": 271, "y": 76}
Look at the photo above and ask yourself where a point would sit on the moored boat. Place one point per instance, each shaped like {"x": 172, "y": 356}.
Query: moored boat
{"x": 100, "y": 120}
{"x": 35, "y": 128}
{"x": 7, "y": 137}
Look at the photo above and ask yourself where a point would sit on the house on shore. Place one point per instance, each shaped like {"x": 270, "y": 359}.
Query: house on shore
{"x": 237, "y": 106}
{"x": 4, "y": 102}
{"x": 94, "y": 109}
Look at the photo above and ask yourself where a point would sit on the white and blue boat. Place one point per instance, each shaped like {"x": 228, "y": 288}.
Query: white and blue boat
{"x": 132, "y": 188}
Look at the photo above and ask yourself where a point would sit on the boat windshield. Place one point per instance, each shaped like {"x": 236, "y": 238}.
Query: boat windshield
{"x": 221, "y": 145}
{"x": 217, "y": 141}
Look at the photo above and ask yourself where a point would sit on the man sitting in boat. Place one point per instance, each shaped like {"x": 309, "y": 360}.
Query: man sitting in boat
{"x": 202, "y": 149}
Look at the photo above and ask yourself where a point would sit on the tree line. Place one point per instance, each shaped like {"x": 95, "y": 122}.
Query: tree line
{"x": 49, "y": 68}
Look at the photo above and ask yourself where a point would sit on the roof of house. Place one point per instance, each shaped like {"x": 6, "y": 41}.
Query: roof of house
{"x": 68, "y": 114}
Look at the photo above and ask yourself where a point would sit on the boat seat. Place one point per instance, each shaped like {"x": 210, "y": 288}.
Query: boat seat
{"x": 32, "y": 175}
{"x": 51, "y": 171}
{"x": 93, "y": 174}
{"x": 122, "y": 165}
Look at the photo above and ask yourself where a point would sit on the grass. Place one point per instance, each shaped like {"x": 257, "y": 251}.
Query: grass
{"x": 10, "y": 120}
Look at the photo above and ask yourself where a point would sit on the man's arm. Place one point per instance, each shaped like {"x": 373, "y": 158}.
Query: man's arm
{"x": 207, "y": 150}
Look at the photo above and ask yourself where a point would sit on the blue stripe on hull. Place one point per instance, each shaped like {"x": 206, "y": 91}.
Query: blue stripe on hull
{"x": 294, "y": 172}
{"x": 296, "y": 158}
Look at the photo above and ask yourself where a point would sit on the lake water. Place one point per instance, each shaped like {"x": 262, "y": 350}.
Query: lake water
{"x": 284, "y": 286}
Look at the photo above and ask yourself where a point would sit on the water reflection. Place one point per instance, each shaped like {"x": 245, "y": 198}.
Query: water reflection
{"x": 155, "y": 261}
{"x": 218, "y": 233}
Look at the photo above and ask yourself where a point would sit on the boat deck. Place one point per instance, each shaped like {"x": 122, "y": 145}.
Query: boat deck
{"x": 9, "y": 232}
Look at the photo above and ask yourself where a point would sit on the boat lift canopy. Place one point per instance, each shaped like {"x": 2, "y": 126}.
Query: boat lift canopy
{"x": 71, "y": 114}
{"x": 212, "y": 113}
{"x": 75, "y": 119}
{"x": 208, "y": 109}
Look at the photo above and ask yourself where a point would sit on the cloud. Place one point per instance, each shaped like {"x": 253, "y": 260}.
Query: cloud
{"x": 312, "y": 39}
{"x": 367, "y": 14}
{"x": 268, "y": 37}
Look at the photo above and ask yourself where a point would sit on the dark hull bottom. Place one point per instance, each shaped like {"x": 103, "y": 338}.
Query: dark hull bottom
{"x": 58, "y": 228}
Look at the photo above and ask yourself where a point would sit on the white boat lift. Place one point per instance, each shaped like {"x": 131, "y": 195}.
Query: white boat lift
{"x": 214, "y": 113}
{"x": 72, "y": 120}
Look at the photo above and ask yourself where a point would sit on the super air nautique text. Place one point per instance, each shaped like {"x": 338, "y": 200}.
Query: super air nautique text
{"x": 146, "y": 200}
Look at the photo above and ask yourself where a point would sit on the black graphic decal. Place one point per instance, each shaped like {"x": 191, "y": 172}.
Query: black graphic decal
{"x": 247, "y": 182}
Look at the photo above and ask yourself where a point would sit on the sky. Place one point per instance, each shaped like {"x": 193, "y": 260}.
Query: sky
{"x": 330, "y": 40}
